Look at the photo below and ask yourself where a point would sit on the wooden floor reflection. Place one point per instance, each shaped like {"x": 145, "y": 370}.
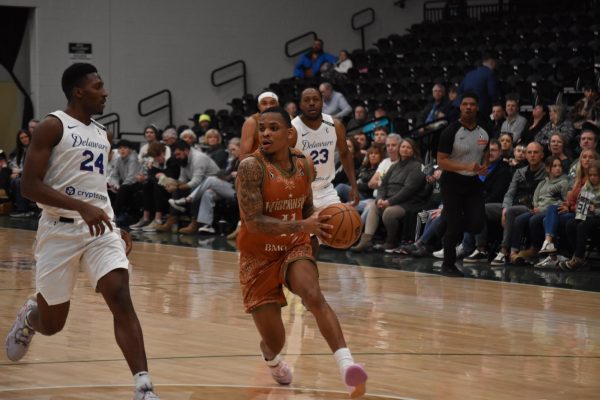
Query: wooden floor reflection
{"x": 419, "y": 336}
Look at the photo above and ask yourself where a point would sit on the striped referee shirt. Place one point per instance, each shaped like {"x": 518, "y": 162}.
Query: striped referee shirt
{"x": 464, "y": 145}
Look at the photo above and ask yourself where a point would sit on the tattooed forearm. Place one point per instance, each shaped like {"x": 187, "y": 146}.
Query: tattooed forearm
{"x": 308, "y": 209}
{"x": 249, "y": 193}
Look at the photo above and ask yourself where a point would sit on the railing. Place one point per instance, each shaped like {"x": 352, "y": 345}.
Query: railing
{"x": 112, "y": 122}
{"x": 242, "y": 76}
{"x": 168, "y": 106}
{"x": 437, "y": 10}
{"x": 361, "y": 28}
{"x": 296, "y": 39}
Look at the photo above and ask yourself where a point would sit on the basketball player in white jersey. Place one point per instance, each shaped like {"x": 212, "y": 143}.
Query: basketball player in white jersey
{"x": 65, "y": 173}
{"x": 319, "y": 135}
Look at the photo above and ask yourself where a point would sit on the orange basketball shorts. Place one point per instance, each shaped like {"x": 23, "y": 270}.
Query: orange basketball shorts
{"x": 262, "y": 279}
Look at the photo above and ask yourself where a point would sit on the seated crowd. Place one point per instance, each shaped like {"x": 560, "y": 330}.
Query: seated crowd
{"x": 541, "y": 189}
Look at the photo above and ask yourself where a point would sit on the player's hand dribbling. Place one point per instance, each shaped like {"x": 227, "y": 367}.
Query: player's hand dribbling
{"x": 95, "y": 218}
{"x": 316, "y": 226}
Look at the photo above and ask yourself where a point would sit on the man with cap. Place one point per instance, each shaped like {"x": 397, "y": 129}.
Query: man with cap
{"x": 204, "y": 121}
{"x": 249, "y": 139}
{"x": 123, "y": 180}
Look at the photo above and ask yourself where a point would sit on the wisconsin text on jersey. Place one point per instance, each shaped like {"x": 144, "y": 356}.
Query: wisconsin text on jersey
{"x": 287, "y": 204}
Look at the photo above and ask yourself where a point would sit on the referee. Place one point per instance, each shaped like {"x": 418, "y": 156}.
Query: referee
{"x": 463, "y": 156}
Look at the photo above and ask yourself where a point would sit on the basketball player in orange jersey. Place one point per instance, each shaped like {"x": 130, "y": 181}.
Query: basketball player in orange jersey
{"x": 65, "y": 174}
{"x": 319, "y": 136}
{"x": 249, "y": 139}
{"x": 277, "y": 212}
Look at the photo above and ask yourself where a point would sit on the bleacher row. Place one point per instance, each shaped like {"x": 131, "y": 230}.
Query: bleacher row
{"x": 543, "y": 58}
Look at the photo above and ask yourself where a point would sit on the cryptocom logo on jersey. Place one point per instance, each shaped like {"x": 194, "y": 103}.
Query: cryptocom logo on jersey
{"x": 71, "y": 191}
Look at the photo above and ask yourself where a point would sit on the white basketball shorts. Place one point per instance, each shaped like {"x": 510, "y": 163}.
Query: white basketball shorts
{"x": 325, "y": 197}
{"x": 62, "y": 248}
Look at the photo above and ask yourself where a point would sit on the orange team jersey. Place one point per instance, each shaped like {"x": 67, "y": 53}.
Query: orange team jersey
{"x": 284, "y": 194}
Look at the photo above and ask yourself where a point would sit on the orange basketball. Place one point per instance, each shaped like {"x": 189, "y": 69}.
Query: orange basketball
{"x": 346, "y": 223}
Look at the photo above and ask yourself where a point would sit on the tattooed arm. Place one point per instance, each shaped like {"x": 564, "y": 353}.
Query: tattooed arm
{"x": 249, "y": 190}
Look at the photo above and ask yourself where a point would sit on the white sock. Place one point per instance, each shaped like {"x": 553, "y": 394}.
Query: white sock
{"x": 142, "y": 381}
{"x": 274, "y": 362}
{"x": 344, "y": 359}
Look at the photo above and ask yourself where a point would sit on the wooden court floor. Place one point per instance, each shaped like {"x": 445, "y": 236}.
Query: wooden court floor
{"x": 420, "y": 336}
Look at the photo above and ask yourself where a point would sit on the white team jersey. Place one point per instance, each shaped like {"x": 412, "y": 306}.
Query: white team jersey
{"x": 78, "y": 165}
{"x": 320, "y": 146}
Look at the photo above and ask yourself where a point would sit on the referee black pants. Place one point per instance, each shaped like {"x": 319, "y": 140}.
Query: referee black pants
{"x": 464, "y": 210}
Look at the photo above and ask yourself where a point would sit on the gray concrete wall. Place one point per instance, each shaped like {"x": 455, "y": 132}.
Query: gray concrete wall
{"x": 142, "y": 46}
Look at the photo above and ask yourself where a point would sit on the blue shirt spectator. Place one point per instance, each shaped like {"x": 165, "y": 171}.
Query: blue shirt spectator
{"x": 484, "y": 84}
{"x": 310, "y": 63}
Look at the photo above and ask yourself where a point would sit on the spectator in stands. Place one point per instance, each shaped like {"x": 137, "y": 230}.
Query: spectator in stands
{"x": 515, "y": 122}
{"x": 392, "y": 143}
{"x": 401, "y": 190}
{"x": 292, "y": 109}
{"x": 586, "y": 109}
{"x": 379, "y": 137}
{"x": 310, "y": 63}
{"x": 483, "y": 82}
{"x": 557, "y": 217}
{"x": 334, "y": 103}
{"x": 587, "y": 141}
{"x": 357, "y": 156}
{"x": 497, "y": 118}
{"x": 123, "y": 181}
{"x": 151, "y": 135}
{"x": 453, "y": 94}
{"x": 439, "y": 108}
{"x": 506, "y": 145}
{"x": 249, "y": 139}
{"x": 213, "y": 147}
{"x": 359, "y": 118}
{"x": 551, "y": 191}
{"x": 190, "y": 138}
{"x": 195, "y": 168}
{"x": 539, "y": 119}
{"x": 518, "y": 159}
{"x": 518, "y": 198}
{"x": 557, "y": 123}
{"x": 587, "y": 219}
{"x": 31, "y": 125}
{"x": 169, "y": 137}
{"x": 22, "y": 205}
{"x": 344, "y": 63}
{"x": 233, "y": 160}
{"x": 363, "y": 142}
{"x": 556, "y": 148}
{"x": 154, "y": 196}
{"x": 364, "y": 175}
{"x": 495, "y": 184}
{"x": 423, "y": 246}
{"x": 379, "y": 111}
{"x": 203, "y": 200}
{"x": 204, "y": 124}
